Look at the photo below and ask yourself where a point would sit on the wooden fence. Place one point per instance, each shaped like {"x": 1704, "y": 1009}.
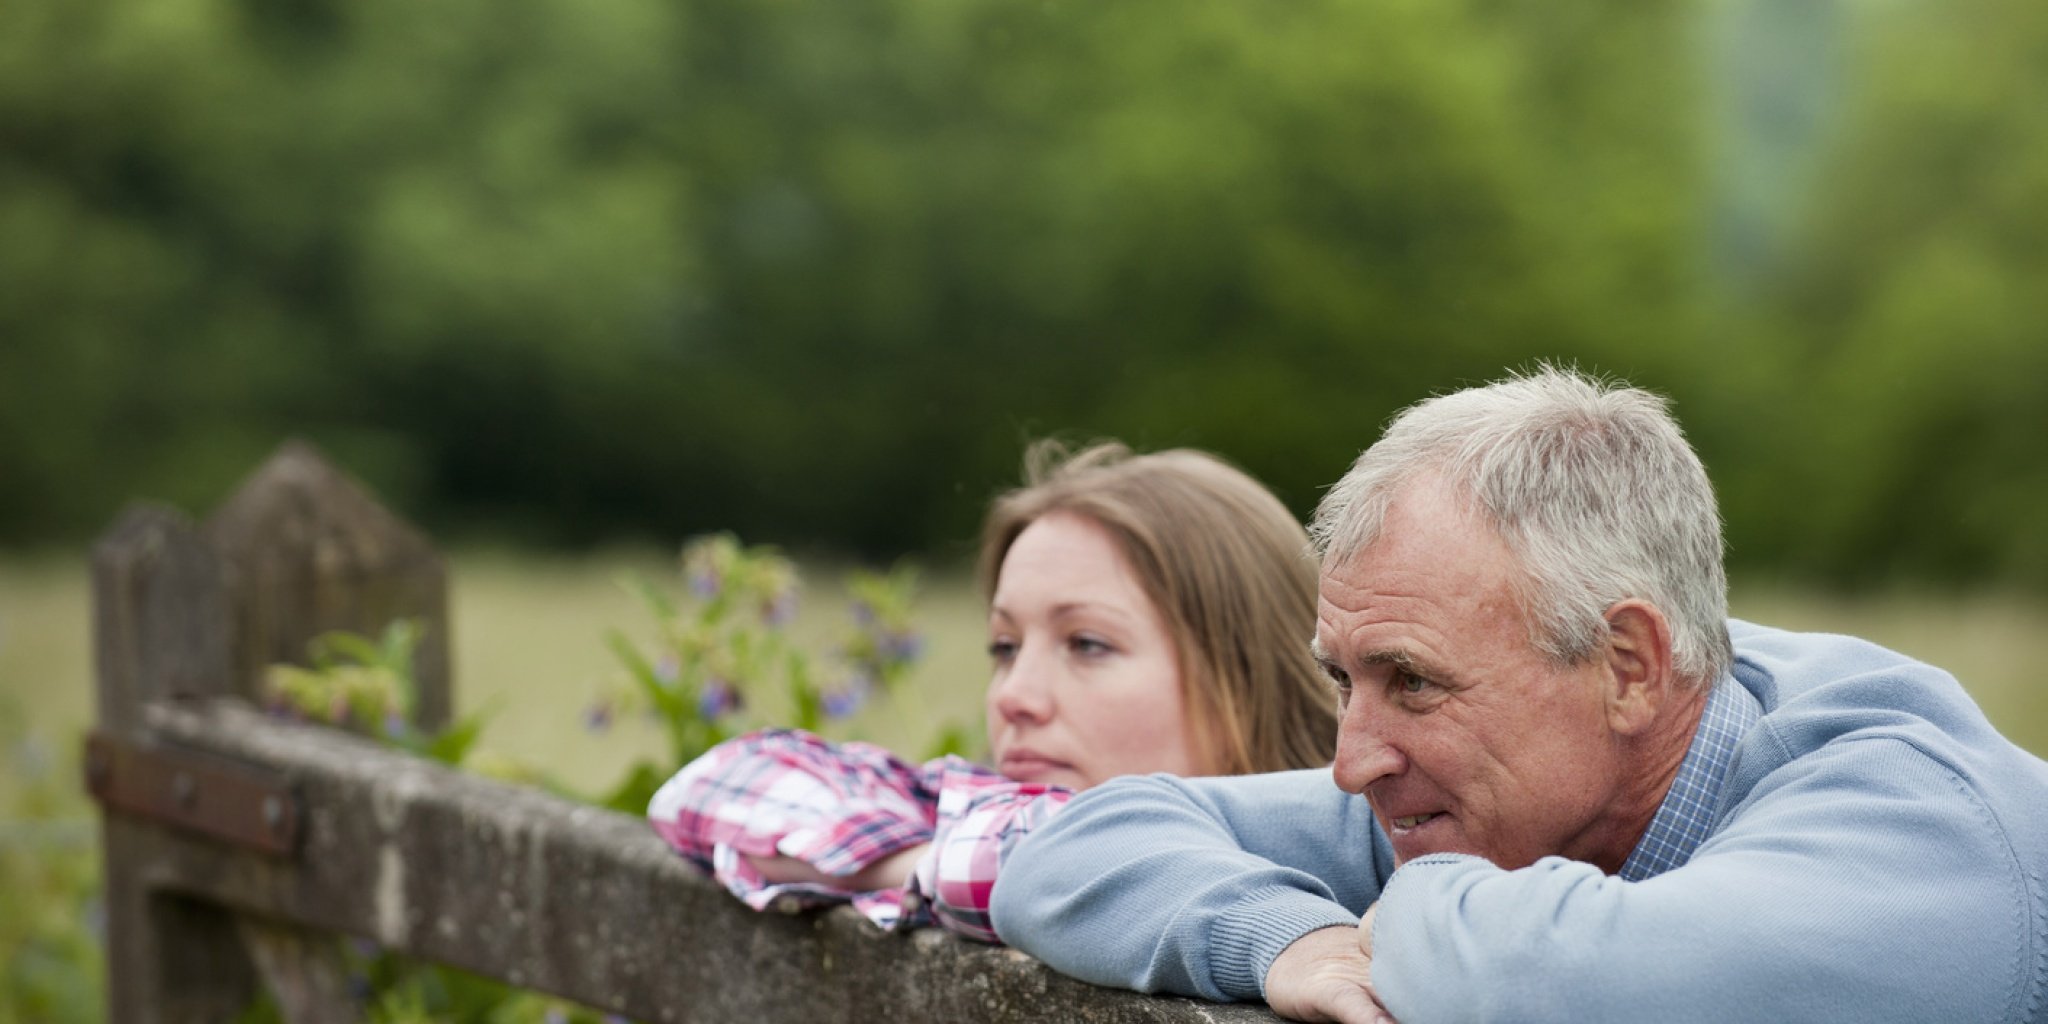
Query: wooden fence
{"x": 239, "y": 846}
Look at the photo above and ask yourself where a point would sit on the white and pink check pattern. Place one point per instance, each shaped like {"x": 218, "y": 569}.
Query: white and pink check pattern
{"x": 841, "y": 807}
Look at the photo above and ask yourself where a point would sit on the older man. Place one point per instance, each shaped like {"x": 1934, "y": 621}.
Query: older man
{"x": 1566, "y": 787}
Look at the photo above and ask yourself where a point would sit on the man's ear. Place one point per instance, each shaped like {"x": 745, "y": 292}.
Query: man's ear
{"x": 1641, "y": 677}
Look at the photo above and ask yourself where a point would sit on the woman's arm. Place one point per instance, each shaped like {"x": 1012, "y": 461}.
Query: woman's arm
{"x": 781, "y": 812}
{"x": 891, "y": 872}
{"x": 981, "y": 816}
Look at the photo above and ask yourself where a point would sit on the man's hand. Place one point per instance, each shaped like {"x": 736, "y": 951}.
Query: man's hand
{"x": 888, "y": 873}
{"x": 1326, "y": 975}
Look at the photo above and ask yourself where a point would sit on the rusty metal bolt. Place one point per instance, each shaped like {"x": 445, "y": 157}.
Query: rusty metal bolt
{"x": 98, "y": 771}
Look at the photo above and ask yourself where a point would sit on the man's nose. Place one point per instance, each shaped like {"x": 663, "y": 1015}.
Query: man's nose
{"x": 1024, "y": 689}
{"x": 1365, "y": 754}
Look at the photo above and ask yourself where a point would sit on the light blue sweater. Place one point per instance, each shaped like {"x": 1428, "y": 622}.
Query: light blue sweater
{"x": 1876, "y": 852}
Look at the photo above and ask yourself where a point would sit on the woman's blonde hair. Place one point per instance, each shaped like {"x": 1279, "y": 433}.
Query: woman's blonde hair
{"x": 1228, "y": 568}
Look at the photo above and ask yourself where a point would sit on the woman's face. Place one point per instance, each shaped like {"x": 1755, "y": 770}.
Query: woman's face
{"x": 1087, "y": 677}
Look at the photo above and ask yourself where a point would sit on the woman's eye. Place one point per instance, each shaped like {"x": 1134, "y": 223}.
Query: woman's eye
{"x": 1089, "y": 646}
{"x": 1002, "y": 649}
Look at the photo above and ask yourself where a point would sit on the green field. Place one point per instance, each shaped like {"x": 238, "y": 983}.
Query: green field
{"x": 528, "y": 636}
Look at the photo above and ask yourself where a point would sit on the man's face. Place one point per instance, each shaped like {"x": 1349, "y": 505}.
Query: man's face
{"x": 1463, "y": 736}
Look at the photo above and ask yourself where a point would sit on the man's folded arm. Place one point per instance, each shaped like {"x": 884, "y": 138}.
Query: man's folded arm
{"x": 1190, "y": 886}
{"x": 1872, "y": 887}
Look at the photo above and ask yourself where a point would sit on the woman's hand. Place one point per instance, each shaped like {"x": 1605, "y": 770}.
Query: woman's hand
{"x": 888, "y": 873}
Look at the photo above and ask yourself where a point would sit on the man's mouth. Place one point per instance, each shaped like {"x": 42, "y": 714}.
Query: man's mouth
{"x": 1413, "y": 821}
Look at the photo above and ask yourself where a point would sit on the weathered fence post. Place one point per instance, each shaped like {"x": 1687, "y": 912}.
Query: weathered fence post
{"x": 159, "y": 630}
{"x": 305, "y": 550}
{"x": 182, "y": 612}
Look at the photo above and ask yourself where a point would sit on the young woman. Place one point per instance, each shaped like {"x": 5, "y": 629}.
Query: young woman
{"x": 1147, "y": 613}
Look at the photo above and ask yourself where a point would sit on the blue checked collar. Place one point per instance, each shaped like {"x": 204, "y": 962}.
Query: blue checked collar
{"x": 1686, "y": 816}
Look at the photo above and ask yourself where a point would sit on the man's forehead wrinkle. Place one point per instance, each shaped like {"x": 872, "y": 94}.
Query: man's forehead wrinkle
{"x": 1387, "y": 639}
{"x": 1355, "y": 590}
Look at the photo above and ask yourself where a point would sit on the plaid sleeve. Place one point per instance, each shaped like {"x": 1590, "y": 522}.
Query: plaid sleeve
{"x": 981, "y": 816}
{"x": 836, "y": 807}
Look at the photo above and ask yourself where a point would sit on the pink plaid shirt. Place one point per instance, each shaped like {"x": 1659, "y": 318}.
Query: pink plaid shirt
{"x": 841, "y": 807}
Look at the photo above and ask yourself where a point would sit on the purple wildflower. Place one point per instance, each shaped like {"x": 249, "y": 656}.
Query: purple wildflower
{"x": 847, "y": 698}
{"x": 843, "y": 703}
{"x": 903, "y": 645}
{"x": 555, "y": 1015}
{"x": 705, "y": 583}
{"x": 780, "y": 609}
{"x": 718, "y": 698}
{"x": 863, "y": 613}
{"x": 598, "y": 717}
{"x": 394, "y": 724}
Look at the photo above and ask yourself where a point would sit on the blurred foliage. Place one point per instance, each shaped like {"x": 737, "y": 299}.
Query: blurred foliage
{"x": 51, "y": 917}
{"x": 717, "y": 651}
{"x": 353, "y": 682}
{"x": 567, "y": 270}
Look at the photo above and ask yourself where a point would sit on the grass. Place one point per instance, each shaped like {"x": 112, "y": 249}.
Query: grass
{"x": 528, "y": 644}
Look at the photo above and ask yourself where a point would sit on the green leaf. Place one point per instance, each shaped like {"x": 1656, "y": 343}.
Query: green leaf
{"x": 401, "y": 638}
{"x": 665, "y": 700}
{"x": 633, "y": 792}
{"x": 451, "y": 745}
{"x": 810, "y": 707}
{"x": 654, "y": 597}
{"x": 327, "y": 647}
{"x": 952, "y": 740}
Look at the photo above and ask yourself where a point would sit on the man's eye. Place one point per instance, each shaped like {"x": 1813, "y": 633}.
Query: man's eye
{"x": 1410, "y": 683}
{"x": 1341, "y": 680}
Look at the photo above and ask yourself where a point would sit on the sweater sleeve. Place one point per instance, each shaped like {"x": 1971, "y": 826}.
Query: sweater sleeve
{"x": 1866, "y": 882}
{"x": 1191, "y": 886}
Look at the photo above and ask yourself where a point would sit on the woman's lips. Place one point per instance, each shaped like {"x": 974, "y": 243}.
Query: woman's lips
{"x": 1030, "y": 766}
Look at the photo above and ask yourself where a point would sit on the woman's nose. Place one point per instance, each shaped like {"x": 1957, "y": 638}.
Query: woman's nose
{"x": 1365, "y": 752}
{"x": 1024, "y": 687}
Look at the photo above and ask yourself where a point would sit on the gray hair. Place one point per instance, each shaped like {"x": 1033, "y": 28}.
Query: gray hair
{"x": 1591, "y": 485}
